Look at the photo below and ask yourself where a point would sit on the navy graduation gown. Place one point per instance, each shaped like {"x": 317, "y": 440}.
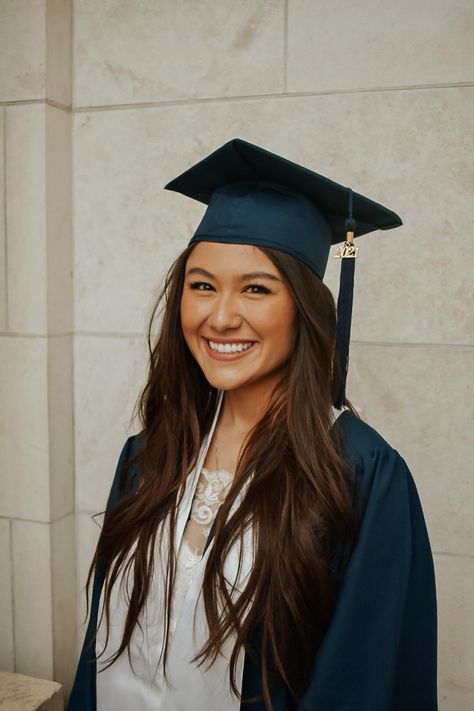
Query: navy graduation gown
{"x": 380, "y": 650}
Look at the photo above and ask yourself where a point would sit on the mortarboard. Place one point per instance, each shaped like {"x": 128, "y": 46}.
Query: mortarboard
{"x": 260, "y": 198}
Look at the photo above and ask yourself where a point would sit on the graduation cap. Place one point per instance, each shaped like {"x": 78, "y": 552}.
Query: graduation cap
{"x": 260, "y": 198}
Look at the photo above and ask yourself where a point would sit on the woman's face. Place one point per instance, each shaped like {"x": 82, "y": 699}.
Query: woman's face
{"x": 237, "y": 314}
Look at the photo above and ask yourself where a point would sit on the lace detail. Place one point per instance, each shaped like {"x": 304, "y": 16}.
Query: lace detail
{"x": 210, "y": 492}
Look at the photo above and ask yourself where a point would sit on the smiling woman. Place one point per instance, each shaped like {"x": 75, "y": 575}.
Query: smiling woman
{"x": 239, "y": 332}
{"x": 263, "y": 547}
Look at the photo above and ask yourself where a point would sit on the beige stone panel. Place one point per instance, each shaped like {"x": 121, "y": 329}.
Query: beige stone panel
{"x": 24, "y": 484}
{"x": 409, "y": 150}
{"x": 59, "y": 219}
{"x": 26, "y": 218}
{"x": 455, "y": 583}
{"x": 63, "y": 576}
{"x": 61, "y": 426}
{"x": 22, "y": 50}
{"x": 108, "y": 376}
{"x": 450, "y": 699}
{"x": 33, "y": 599}
{"x": 420, "y": 399}
{"x": 88, "y": 527}
{"x": 175, "y": 49}
{"x": 25, "y": 693}
{"x": 6, "y": 600}
{"x": 127, "y": 230}
{"x": 59, "y": 51}
{"x": 3, "y": 243}
{"x": 332, "y": 46}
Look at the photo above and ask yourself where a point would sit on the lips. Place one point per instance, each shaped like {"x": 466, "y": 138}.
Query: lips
{"x": 228, "y": 349}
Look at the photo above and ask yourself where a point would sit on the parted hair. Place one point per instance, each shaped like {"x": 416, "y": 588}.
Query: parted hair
{"x": 298, "y": 498}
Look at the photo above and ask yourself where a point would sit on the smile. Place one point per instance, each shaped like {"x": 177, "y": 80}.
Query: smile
{"x": 230, "y": 347}
{"x": 228, "y": 351}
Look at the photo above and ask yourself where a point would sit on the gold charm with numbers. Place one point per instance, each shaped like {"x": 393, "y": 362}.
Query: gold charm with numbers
{"x": 348, "y": 251}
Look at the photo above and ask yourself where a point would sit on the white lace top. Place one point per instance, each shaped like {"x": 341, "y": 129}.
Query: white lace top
{"x": 210, "y": 492}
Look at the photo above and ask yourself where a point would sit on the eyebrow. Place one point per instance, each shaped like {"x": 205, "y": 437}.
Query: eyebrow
{"x": 244, "y": 277}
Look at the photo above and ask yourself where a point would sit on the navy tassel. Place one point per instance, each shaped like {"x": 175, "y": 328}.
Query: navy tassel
{"x": 344, "y": 304}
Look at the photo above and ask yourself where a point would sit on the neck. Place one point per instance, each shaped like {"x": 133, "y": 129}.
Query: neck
{"x": 244, "y": 407}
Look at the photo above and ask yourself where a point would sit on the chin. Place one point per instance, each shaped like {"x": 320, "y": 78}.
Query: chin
{"x": 223, "y": 382}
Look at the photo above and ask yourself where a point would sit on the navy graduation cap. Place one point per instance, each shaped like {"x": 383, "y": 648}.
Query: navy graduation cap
{"x": 260, "y": 198}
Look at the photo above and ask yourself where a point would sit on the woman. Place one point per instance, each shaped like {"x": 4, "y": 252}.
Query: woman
{"x": 263, "y": 547}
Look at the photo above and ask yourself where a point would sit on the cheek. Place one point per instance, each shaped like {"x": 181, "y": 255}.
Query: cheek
{"x": 280, "y": 321}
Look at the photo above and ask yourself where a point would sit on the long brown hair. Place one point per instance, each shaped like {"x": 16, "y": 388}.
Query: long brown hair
{"x": 298, "y": 499}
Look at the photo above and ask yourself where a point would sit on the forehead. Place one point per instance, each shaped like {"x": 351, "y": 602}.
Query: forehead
{"x": 230, "y": 257}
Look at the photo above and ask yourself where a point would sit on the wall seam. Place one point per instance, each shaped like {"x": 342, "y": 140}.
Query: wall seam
{"x": 285, "y": 48}
{"x": 12, "y": 588}
{"x": 448, "y": 554}
{"x": 264, "y": 97}
{"x": 33, "y": 102}
{"x": 5, "y": 247}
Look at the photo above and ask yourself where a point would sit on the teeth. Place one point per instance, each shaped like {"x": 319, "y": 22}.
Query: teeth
{"x": 229, "y": 347}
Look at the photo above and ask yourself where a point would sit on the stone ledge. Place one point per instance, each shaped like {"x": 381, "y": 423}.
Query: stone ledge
{"x": 25, "y": 693}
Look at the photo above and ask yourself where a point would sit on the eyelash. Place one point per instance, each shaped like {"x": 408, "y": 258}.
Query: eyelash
{"x": 264, "y": 290}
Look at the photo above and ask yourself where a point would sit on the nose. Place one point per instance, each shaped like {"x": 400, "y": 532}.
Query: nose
{"x": 224, "y": 313}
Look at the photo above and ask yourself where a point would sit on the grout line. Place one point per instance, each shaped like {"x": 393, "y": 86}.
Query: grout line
{"x": 448, "y": 554}
{"x": 5, "y": 247}
{"x": 18, "y": 334}
{"x": 71, "y": 40}
{"x": 35, "y": 520}
{"x": 235, "y": 98}
{"x": 285, "y": 47}
{"x": 408, "y": 344}
{"x": 263, "y": 97}
{"x": 12, "y": 589}
{"x": 33, "y": 102}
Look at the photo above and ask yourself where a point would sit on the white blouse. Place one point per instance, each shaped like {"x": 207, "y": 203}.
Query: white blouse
{"x": 139, "y": 683}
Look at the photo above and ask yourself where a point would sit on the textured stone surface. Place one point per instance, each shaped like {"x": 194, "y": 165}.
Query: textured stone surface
{"x": 26, "y": 218}
{"x": 24, "y": 484}
{"x": 33, "y": 614}
{"x": 455, "y": 583}
{"x": 61, "y": 425}
{"x": 108, "y": 376}
{"x": 6, "y": 600}
{"x": 138, "y": 52}
{"x": 63, "y": 576}
{"x": 59, "y": 51}
{"x": 59, "y": 220}
{"x": 22, "y": 50}
{"x": 3, "y": 243}
{"x": 19, "y": 692}
{"x": 420, "y": 399}
{"x": 334, "y": 46}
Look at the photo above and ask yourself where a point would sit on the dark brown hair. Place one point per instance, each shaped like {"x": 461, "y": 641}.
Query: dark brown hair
{"x": 298, "y": 499}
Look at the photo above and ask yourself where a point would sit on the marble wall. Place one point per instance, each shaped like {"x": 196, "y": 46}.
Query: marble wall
{"x": 380, "y": 98}
{"x": 37, "y": 604}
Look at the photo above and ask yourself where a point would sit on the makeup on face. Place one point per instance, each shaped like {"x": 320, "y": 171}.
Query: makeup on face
{"x": 237, "y": 314}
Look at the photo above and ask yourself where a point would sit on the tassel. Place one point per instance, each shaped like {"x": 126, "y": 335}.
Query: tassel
{"x": 347, "y": 254}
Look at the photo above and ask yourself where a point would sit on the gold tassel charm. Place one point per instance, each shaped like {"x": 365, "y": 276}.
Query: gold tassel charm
{"x": 348, "y": 250}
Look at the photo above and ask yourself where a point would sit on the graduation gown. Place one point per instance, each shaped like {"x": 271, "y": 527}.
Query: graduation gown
{"x": 380, "y": 650}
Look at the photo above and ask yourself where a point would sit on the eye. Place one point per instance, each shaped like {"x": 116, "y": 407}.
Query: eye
{"x": 200, "y": 286}
{"x": 258, "y": 289}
